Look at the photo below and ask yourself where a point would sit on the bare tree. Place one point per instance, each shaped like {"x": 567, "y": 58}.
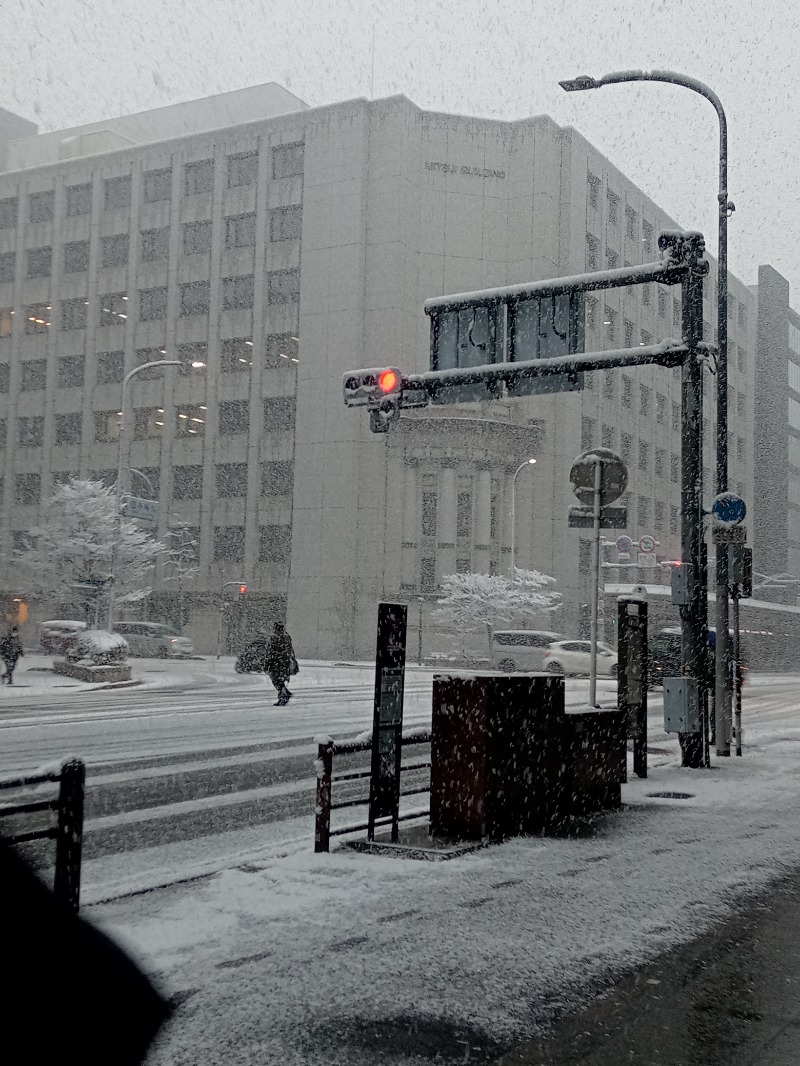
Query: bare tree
{"x": 182, "y": 557}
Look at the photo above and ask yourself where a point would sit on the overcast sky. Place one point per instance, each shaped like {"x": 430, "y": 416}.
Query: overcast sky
{"x": 66, "y": 62}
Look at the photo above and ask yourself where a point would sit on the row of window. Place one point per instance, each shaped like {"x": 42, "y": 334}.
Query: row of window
{"x": 285, "y": 224}
{"x": 198, "y": 177}
{"x": 233, "y": 417}
{"x": 644, "y": 448}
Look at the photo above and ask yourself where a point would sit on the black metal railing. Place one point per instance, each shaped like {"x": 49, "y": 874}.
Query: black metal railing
{"x": 326, "y": 778}
{"x": 68, "y": 830}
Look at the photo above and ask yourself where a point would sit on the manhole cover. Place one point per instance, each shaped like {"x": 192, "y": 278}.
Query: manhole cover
{"x": 671, "y": 795}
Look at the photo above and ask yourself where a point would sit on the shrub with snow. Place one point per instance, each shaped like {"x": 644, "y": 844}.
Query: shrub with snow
{"x": 98, "y": 647}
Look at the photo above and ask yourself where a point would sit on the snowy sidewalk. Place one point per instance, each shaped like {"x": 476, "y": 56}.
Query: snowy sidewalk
{"x": 301, "y": 959}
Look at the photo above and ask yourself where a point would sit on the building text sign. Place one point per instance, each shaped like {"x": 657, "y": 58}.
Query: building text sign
{"x": 472, "y": 172}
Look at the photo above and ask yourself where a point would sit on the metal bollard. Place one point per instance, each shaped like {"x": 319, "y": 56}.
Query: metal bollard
{"x": 324, "y": 768}
{"x": 67, "y": 882}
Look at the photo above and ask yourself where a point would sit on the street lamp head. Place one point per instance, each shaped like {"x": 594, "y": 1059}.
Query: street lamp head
{"x": 574, "y": 85}
{"x": 197, "y": 363}
{"x": 531, "y": 461}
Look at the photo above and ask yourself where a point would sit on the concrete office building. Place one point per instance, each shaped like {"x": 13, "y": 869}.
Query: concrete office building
{"x": 280, "y": 251}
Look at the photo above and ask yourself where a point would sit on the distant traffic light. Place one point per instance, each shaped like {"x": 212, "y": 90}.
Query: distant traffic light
{"x": 243, "y": 590}
{"x": 389, "y": 380}
{"x": 380, "y": 389}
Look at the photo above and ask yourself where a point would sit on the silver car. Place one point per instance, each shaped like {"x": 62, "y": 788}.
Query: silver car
{"x": 154, "y": 640}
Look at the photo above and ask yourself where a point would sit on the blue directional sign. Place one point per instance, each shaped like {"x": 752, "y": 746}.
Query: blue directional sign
{"x": 728, "y": 510}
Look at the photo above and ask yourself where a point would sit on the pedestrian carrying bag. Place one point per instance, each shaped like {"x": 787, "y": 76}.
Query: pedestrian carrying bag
{"x": 294, "y": 666}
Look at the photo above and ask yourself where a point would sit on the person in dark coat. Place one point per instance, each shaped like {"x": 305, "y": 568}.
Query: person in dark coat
{"x": 10, "y": 651}
{"x": 280, "y": 662}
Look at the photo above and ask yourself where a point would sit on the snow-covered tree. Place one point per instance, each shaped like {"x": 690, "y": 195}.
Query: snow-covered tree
{"x": 470, "y": 602}
{"x": 74, "y": 545}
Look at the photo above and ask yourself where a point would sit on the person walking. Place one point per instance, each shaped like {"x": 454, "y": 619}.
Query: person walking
{"x": 281, "y": 663}
{"x": 10, "y": 651}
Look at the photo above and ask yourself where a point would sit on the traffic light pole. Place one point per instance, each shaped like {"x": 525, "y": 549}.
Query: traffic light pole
{"x": 222, "y": 611}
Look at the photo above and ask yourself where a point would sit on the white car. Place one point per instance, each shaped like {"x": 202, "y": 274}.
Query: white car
{"x": 575, "y": 657}
{"x": 151, "y": 639}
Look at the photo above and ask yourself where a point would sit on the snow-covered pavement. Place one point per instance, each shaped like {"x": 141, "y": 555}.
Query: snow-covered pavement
{"x": 287, "y": 957}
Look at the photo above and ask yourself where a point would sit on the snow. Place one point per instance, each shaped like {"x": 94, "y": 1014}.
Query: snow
{"x": 288, "y": 957}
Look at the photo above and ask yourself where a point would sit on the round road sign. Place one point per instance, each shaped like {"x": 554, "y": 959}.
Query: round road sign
{"x": 647, "y": 544}
{"x": 613, "y": 476}
{"x": 728, "y": 510}
{"x": 624, "y": 545}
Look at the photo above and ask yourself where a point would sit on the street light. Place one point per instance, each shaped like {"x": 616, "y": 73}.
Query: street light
{"x": 118, "y": 521}
{"x": 722, "y": 689}
{"x": 528, "y": 462}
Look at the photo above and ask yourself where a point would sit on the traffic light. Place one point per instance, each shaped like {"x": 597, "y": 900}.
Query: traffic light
{"x": 243, "y": 590}
{"x": 380, "y": 389}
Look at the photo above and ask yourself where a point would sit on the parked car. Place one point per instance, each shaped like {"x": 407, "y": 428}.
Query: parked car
{"x": 253, "y": 657}
{"x": 575, "y": 657}
{"x": 664, "y": 657}
{"x": 57, "y": 634}
{"x": 154, "y": 640}
{"x": 521, "y": 649}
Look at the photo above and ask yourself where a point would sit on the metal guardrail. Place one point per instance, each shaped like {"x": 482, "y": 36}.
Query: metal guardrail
{"x": 325, "y": 779}
{"x": 68, "y": 830}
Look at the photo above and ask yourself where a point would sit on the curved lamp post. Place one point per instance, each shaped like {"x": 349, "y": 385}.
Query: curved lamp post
{"x": 528, "y": 462}
{"x": 584, "y": 81}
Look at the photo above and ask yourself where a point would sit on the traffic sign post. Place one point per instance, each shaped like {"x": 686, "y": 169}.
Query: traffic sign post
{"x": 740, "y": 571}
{"x": 387, "y": 718}
{"x": 728, "y": 511}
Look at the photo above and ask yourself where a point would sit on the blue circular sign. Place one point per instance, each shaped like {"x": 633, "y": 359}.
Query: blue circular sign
{"x": 624, "y": 545}
{"x": 728, "y": 509}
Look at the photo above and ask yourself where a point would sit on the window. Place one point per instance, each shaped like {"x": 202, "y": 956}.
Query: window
{"x": 584, "y": 561}
{"x": 626, "y": 445}
{"x": 463, "y": 566}
{"x": 234, "y": 417}
{"x": 30, "y": 431}
{"x": 190, "y": 420}
{"x": 593, "y": 189}
{"x": 8, "y": 263}
{"x": 8, "y": 212}
{"x": 661, "y": 456}
{"x": 644, "y": 400}
{"x": 197, "y": 238}
{"x": 198, "y": 177}
{"x": 609, "y": 385}
{"x": 155, "y": 244}
{"x": 187, "y": 482}
{"x": 662, "y": 302}
{"x": 40, "y": 262}
{"x": 228, "y": 543}
{"x": 661, "y": 407}
{"x": 610, "y": 322}
{"x": 118, "y": 193}
{"x": 609, "y": 436}
{"x": 627, "y": 391}
{"x": 148, "y": 423}
{"x": 588, "y": 430}
{"x": 34, "y": 375}
{"x": 157, "y": 185}
{"x": 150, "y": 355}
{"x": 110, "y": 368}
{"x": 676, "y": 416}
{"x": 275, "y": 545}
{"x": 41, "y": 206}
{"x": 242, "y": 169}
{"x": 74, "y": 313}
{"x": 69, "y": 428}
{"x": 106, "y": 426}
{"x": 673, "y": 520}
{"x": 658, "y": 514}
{"x": 643, "y": 512}
{"x": 740, "y": 359}
{"x": 193, "y": 358}
{"x": 5, "y": 378}
{"x": 76, "y": 257}
{"x": 113, "y": 308}
{"x": 286, "y": 223}
{"x": 237, "y": 293}
{"x": 38, "y": 318}
{"x": 70, "y": 371}
{"x": 592, "y": 304}
{"x": 79, "y": 199}
{"x": 237, "y": 355}
{"x": 105, "y": 477}
{"x": 613, "y": 207}
{"x": 676, "y": 313}
{"x": 464, "y": 514}
{"x": 152, "y": 304}
{"x": 612, "y": 259}
{"x": 277, "y": 478}
{"x": 151, "y": 474}
{"x": 284, "y": 287}
{"x": 646, "y": 295}
{"x": 674, "y": 467}
{"x": 628, "y": 327}
{"x": 427, "y": 575}
{"x": 240, "y": 231}
{"x": 3, "y": 436}
{"x": 279, "y": 413}
{"x": 644, "y": 454}
{"x": 195, "y": 297}
{"x": 27, "y": 488}
{"x": 287, "y": 160}
{"x": 114, "y": 250}
{"x": 742, "y": 318}
{"x": 429, "y": 508}
{"x": 231, "y": 480}
{"x": 281, "y": 348}
{"x": 6, "y": 321}
{"x": 647, "y": 238}
{"x": 631, "y": 223}
{"x": 740, "y": 449}
{"x": 740, "y": 401}
{"x": 592, "y": 252}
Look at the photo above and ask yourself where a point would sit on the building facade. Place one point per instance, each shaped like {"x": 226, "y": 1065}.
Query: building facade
{"x": 271, "y": 256}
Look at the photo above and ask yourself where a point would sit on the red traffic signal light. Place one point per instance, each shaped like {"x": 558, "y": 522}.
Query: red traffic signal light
{"x": 388, "y": 380}
{"x": 243, "y": 590}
